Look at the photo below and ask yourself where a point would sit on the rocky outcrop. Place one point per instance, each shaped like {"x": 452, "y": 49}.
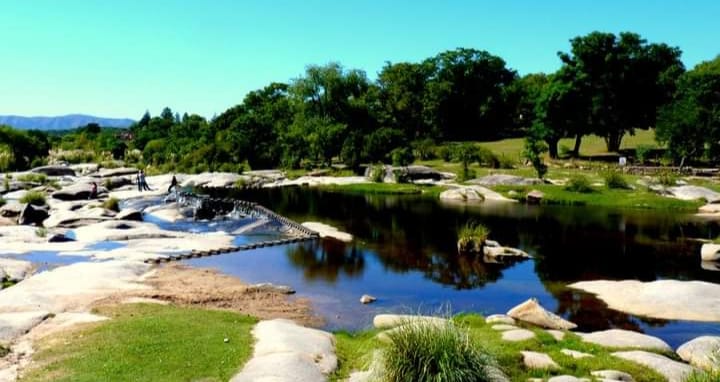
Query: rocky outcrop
{"x": 11, "y": 209}
{"x": 78, "y": 191}
{"x": 123, "y": 230}
{"x": 54, "y": 170}
{"x": 534, "y": 197}
{"x": 129, "y": 214}
{"x": 500, "y": 319}
{"x": 285, "y": 351}
{"x": 410, "y": 174}
{"x": 472, "y": 194}
{"x": 665, "y": 299}
{"x": 701, "y": 352}
{"x": 73, "y": 216}
{"x": 693, "y": 192}
{"x": 493, "y": 252}
{"x": 14, "y": 270}
{"x": 114, "y": 172}
{"x": 672, "y": 370}
{"x": 32, "y": 215}
{"x": 619, "y": 338}
{"x": 212, "y": 179}
{"x": 505, "y": 180}
{"x": 15, "y": 324}
{"x": 531, "y": 311}
{"x": 710, "y": 252}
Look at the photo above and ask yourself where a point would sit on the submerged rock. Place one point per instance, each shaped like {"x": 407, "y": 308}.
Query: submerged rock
{"x": 367, "y": 299}
{"x": 531, "y": 311}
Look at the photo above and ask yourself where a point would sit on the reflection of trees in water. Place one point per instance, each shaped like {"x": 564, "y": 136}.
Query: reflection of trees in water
{"x": 464, "y": 271}
{"x": 326, "y": 260}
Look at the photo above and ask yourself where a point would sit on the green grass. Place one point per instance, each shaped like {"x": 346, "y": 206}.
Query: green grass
{"x": 354, "y": 352}
{"x": 35, "y": 198}
{"x": 471, "y": 236}
{"x": 148, "y": 342}
{"x": 111, "y": 204}
{"x": 602, "y": 197}
{"x": 385, "y": 189}
{"x": 33, "y": 178}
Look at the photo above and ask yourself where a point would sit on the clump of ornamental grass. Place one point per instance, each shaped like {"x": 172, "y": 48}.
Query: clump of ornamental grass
{"x": 579, "y": 183}
{"x": 615, "y": 180}
{"x": 35, "y": 198}
{"x": 111, "y": 204}
{"x": 471, "y": 237}
{"x": 428, "y": 352}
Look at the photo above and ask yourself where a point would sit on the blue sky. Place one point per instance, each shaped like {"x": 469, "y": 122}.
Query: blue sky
{"x": 119, "y": 58}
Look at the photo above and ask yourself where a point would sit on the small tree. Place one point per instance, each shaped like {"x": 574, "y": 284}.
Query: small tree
{"x": 466, "y": 153}
{"x": 534, "y": 150}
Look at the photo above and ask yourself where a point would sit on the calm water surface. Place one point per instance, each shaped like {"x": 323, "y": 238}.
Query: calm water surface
{"x": 405, "y": 255}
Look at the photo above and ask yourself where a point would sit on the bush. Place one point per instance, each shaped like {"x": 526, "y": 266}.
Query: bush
{"x": 423, "y": 149}
{"x": 402, "y": 156}
{"x": 667, "y": 179}
{"x": 444, "y": 152}
{"x": 614, "y": 179}
{"x": 35, "y": 198}
{"x": 471, "y": 237}
{"x": 41, "y": 232}
{"x": 425, "y": 352}
{"x": 579, "y": 183}
{"x": 33, "y": 178}
{"x": 377, "y": 173}
{"x": 642, "y": 153}
{"x": 111, "y": 204}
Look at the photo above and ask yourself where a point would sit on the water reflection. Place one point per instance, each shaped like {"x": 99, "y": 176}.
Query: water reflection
{"x": 326, "y": 260}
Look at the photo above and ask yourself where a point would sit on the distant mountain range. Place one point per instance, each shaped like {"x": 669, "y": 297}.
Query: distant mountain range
{"x": 63, "y": 122}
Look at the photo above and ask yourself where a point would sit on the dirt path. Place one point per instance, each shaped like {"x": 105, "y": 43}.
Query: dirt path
{"x": 208, "y": 288}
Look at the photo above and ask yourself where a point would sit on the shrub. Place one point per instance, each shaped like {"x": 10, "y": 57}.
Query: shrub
{"x": 33, "y": 178}
{"x": 533, "y": 151}
{"x": 642, "y": 153}
{"x": 579, "y": 183}
{"x": 425, "y": 352}
{"x": 506, "y": 162}
{"x": 445, "y": 152}
{"x": 667, "y": 179}
{"x": 402, "y": 156}
{"x": 377, "y": 173}
{"x": 35, "y": 198}
{"x": 41, "y": 232}
{"x": 471, "y": 237}
{"x": 613, "y": 179}
{"x": 423, "y": 149}
{"x": 111, "y": 204}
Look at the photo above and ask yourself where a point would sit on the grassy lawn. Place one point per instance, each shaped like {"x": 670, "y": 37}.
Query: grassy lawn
{"x": 148, "y": 342}
{"x": 386, "y": 189}
{"x": 355, "y": 353}
{"x": 603, "y": 197}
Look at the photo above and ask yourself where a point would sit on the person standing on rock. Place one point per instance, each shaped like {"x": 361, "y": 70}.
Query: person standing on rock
{"x": 139, "y": 181}
{"x": 93, "y": 191}
{"x": 143, "y": 181}
{"x": 173, "y": 184}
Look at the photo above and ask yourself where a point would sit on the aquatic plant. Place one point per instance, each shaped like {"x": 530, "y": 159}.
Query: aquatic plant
{"x": 35, "y": 198}
{"x": 427, "y": 351}
{"x": 471, "y": 237}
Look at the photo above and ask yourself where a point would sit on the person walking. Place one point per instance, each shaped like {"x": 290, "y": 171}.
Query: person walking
{"x": 144, "y": 182}
{"x": 173, "y": 184}
{"x": 139, "y": 181}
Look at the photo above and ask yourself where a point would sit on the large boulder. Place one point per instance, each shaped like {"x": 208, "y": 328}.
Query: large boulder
{"x": 14, "y": 270}
{"x": 701, "y": 352}
{"x": 505, "y": 180}
{"x": 672, "y": 370}
{"x": 129, "y": 214}
{"x": 32, "y": 215}
{"x": 116, "y": 182}
{"x": 113, "y": 172}
{"x": 710, "y": 252}
{"x": 212, "y": 180}
{"x": 78, "y": 217}
{"x": 693, "y": 193}
{"x": 78, "y": 191}
{"x": 531, "y": 311}
{"x": 54, "y": 170}
{"x": 619, "y": 338}
{"x": 85, "y": 168}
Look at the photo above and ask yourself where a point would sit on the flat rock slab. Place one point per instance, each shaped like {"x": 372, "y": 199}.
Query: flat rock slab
{"x": 613, "y": 375}
{"x": 328, "y": 231}
{"x": 619, "y": 338}
{"x": 15, "y": 324}
{"x": 14, "y": 270}
{"x": 558, "y": 335}
{"x": 535, "y": 360}
{"x": 285, "y": 351}
{"x": 700, "y": 352}
{"x": 500, "y": 319}
{"x": 504, "y": 327}
{"x": 531, "y": 311}
{"x": 517, "y": 335}
{"x": 666, "y": 299}
{"x": 386, "y": 321}
{"x": 568, "y": 378}
{"x": 693, "y": 193}
{"x": 575, "y": 354}
{"x": 672, "y": 370}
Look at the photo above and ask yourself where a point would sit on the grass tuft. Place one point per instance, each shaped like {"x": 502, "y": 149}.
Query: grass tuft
{"x": 615, "y": 180}
{"x": 423, "y": 352}
{"x": 35, "y": 198}
{"x": 579, "y": 183}
{"x": 471, "y": 237}
{"x": 111, "y": 204}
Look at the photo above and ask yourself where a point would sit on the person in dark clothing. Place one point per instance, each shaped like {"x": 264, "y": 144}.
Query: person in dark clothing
{"x": 93, "y": 191}
{"x": 144, "y": 182}
{"x": 139, "y": 181}
{"x": 173, "y": 184}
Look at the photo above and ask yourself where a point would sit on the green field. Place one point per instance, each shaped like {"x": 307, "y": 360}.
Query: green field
{"x": 147, "y": 342}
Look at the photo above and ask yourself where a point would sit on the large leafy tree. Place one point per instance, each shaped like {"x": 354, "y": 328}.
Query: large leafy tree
{"x": 402, "y": 91}
{"x": 690, "y": 124}
{"x": 467, "y": 94}
{"x": 627, "y": 79}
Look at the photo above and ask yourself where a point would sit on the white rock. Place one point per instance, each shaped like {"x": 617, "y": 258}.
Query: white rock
{"x": 531, "y": 311}
{"x": 517, "y": 335}
{"x": 366, "y": 299}
{"x": 15, "y": 324}
{"x": 557, "y": 334}
{"x": 534, "y": 360}
{"x": 619, "y": 338}
{"x": 575, "y": 354}
{"x": 500, "y": 319}
{"x": 665, "y": 299}
{"x": 567, "y": 378}
{"x": 503, "y": 327}
{"x": 710, "y": 252}
{"x": 328, "y": 231}
{"x": 123, "y": 230}
{"x": 672, "y": 370}
{"x": 700, "y": 352}
{"x": 694, "y": 192}
{"x": 613, "y": 375}
{"x": 386, "y": 321}
{"x": 14, "y": 270}
{"x": 285, "y": 351}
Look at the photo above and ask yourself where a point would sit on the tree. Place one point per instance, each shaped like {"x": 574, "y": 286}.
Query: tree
{"x": 402, "y": 89}
{"x": 690, "y": 124}
{"x": 467, "y": 94}
{"x": 628, "y": 80}
{"x": 534, "y": 150}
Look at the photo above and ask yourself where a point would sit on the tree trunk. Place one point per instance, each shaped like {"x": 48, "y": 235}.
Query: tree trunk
{"x": 576, "y": 149}
{"x": 552, "y": 147}
{"x": 613, "y": 141}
